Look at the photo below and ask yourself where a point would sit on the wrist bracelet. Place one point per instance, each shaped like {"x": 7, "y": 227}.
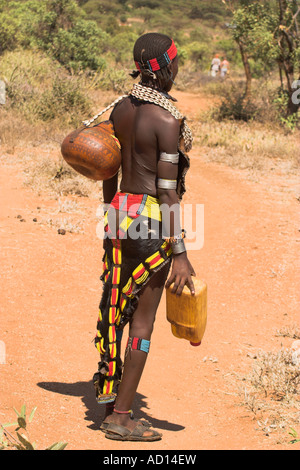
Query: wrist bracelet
{"x": 176, "y": 237}
{"x": 178, "y": 246}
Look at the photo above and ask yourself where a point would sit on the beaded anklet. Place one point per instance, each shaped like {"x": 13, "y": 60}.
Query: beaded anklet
{"x": 130, "y": 412}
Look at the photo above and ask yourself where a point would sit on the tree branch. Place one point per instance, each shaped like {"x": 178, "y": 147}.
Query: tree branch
{"x": 294, "y": 19}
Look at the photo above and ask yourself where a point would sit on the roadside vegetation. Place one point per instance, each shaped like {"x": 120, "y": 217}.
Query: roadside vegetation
{"x": 271, "y": 389}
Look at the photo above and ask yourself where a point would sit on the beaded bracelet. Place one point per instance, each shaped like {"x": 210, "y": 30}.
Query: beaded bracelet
{"x": 176, "y": 237}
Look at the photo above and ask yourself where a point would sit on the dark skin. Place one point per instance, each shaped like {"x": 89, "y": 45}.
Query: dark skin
{"x": 144, "y": 131}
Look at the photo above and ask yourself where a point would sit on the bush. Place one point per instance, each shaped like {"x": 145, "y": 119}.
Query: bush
{"x": 182, "y": 54}
{"x": 259, "y": 68}
{"x": 29, "y": 66}
{"x": 199, "y": 52}
{"x": 65, "y": 99}
{"x": 235, "y": 106}
{"x": 146, "y": 3}
{"x": 198, "y": 34}
{"x": 39, "y": 89}
{"x": 207, "y": 11}
{"x": 229, "y": 48}
{"x": 113, "y": 79}
{"x": 57, "y": 27}
{"x": 280, "y": 100}
{"x": 8, "y": 40}
{"x": 79, "y": 48}
{"x": 121, "y": 46}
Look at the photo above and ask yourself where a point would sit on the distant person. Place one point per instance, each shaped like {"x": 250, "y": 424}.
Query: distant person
{"x": 224, "y": 67}
{"x": 215, "y": 66}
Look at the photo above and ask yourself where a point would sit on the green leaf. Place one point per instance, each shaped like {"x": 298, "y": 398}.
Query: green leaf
{"x": 32, "y": 414}
{"x": 23, "y": 411}
{"x": 18, "y": 414}
{"x": 58, "y": 446}
{"x": 6, "y": 425}
{"x": 294, "y": 441}
{"x": 51, "y": 447}
{"x": 293, "y": 432}
{"x": 25, "y": 442}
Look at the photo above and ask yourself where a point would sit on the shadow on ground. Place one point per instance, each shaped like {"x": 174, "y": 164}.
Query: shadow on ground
{"x": 95, "y": 412}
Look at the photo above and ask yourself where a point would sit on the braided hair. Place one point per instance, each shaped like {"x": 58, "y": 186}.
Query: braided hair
{"x": 150, "y": 46}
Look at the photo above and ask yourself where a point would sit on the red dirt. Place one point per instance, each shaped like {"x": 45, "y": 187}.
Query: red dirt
{"x": 49, "y": 306}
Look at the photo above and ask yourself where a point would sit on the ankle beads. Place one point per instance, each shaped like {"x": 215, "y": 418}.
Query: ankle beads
{"x": 129, "y": 412}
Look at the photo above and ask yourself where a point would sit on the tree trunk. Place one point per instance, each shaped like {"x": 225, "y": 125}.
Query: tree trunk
{"x": 280, "y": 75}
{"x": 289, "y": 73}
{"x": 287, "y": 49}
{"x": 246, "y": 64}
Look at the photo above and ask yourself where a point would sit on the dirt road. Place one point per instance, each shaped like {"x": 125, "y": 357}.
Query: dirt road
{"x": 50, "y": 291}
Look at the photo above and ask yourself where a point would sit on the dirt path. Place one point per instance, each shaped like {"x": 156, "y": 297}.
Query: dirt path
{"x": 49, "y": 302}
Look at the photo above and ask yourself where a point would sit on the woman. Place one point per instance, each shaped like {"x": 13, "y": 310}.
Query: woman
{"x": 141, "y": 241}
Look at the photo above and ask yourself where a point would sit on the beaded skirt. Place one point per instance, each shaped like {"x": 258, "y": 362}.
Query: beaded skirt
{"x": 134, "y": 252}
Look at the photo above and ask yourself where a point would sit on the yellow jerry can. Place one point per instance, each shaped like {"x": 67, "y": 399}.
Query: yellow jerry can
{"x": 188, "y": 313}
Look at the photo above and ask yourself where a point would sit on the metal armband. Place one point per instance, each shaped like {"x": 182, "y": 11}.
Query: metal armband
{"x": 166, "y": 184}
{"x": 169, "y": 158}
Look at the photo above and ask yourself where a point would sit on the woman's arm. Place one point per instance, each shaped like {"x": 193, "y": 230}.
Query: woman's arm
{"x": 182, "y": 269}
{"x": 110, "y": 188}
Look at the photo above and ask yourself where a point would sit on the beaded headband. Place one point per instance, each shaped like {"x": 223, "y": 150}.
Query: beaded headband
{"x": 156, "y": 64}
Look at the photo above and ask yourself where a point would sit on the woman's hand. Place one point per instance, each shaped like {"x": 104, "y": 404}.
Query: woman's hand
{"x": 181, "y": 275}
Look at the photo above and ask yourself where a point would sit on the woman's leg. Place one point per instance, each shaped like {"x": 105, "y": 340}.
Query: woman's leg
{"x": 141, "y": 326}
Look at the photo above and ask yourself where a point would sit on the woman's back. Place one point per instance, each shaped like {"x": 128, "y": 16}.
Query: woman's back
{"x": 142, "y": 129}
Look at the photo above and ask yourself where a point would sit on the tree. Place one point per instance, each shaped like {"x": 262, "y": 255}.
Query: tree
{"x": 58, "y": 27}
{"x": 268, "y": 31}
{"x": 8, "y": 27}
{"x": 287, "y": 36}
{"x": 240, "y": 29}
